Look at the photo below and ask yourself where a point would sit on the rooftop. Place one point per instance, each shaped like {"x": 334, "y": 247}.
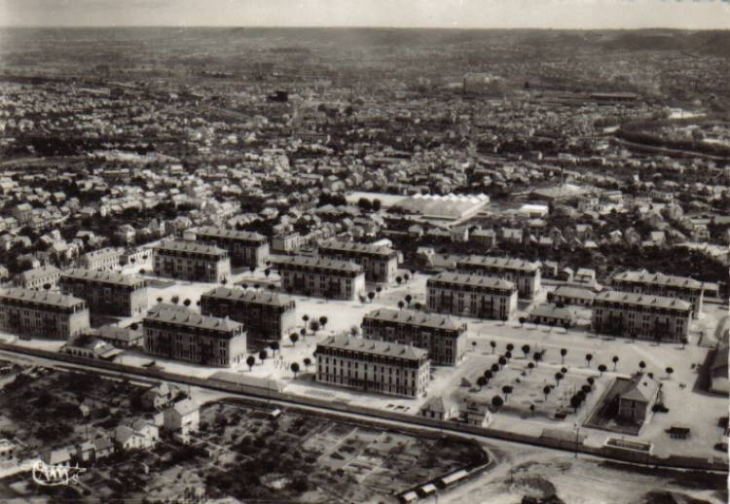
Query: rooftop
{"x": 41, "y": 297}
{"x": 108, "y": 277}
{"x": 507, "y": 263}
{"x": 229, "y": 233}
{"x": 360, "y": 345}
{"x": 193, "y": 247}
{"x": 35, "y": 273}
{"x": 179, "y": 315}
{"x": 645, "y": 277}
{"x": 644, "y": 300}
{"x": 356, "y": 247}
{"x": 315, "y": 262}
{"x": 472, "y": 280}
{"x": 413, "y": 318}
{"x": 249, "y": 296}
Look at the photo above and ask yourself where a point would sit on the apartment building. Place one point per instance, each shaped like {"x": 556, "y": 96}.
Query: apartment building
{"x": 471, "y": 295}
{"x": 641, "y": 316}
{"x": 267, "y": 317}
{"x": 175, "y": 332}
{"x": 192, "y": 261}
{"x": 373, "y": 366}
{"x": 44, "y": 314}
{"x": 39, "y": 278}
{"x": 379, "y": 263}
{"x": 658, "y": 284}
{"x": 106, "y": 259}
{"x": 329, "y": 278}
{"x": 444, "y": 339}
{"x": 244, "y": 248}
{"x": 106, "y": 292}
{"x": 524, "y": 274}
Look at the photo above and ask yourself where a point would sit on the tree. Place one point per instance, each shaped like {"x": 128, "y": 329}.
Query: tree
{"x": 590, "y": 380}
{"x": 474, "y": 346}
{"x": 669, "y": 371}
{"x": 507, "y": 390}
{"x": 481, "y": 381}
{"x": 575, "y": 402}
{"x": 295, "y": 369}
{"x": 314, "y": 326}
{"x": 275, "y": 346}
{"x": 493, "y": 344}
{"x": 564, "y": 370}
{"x": 294, "y": 337}
{"x": 526, "y": 350}
{"x": 408, "y": 299}
{"x": 563, "y": 353}
{"x": 602, "y": 368}
{"x": 354, "y": 331}
{"x": 615, "y": 362}
{"x": 323, "y": 321}
{"x": 537, "y": 357}
{"x": 365, "y": 205}
{"x": 307, "y": 362}
{"x": 508, "y": 355}
{"x": 558, "y": 377}
{"x": 399, "y": 280}
{"x": 495, "y": 368}
{"x": 159, "y": 299}
{"x": 546, "y": 390}
{"x": 251, "y": 360}
{"x": 530, "y": 366}
{"x": 522, "y": 321}
{"x": 406, "y": 277}
{"x": 46, "y": 286}
{"x": 267, "y": 272}
{"x": 497, "y": 401}
{"x": 642, "y": 366}
{"x": 134, "y": 326}
{"x": 187, "y": 302}
{"x": 684, "y": 343}
{"x": 401, "y": 304}
{"x": 532, "y": 409}
{"x": 510, "y": 347}
{"x": 488, "y": 375}
{"x": 417, "y": 305}
{"x": 378, "y": 289}
{"x": 371, "y": 295}
{"x": 263, "y": 354}
{"x": 502, "y": 362}
{"x": 587, "y": 389}
{"x": 252, "y": 269}
{"x": 175, "y": 299}
{"x": 589, "y": 358}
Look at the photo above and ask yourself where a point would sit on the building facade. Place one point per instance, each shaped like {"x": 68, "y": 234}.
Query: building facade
{"x": 444, "y": 339}
{"x": 658, "y": 284}
{"x": 174, "y": 332}
{"x": 192, "y": 261}
{"x": 106, "y": 292}
{"x": 641, "y": 316}
{"x": 244, "y": 248}
{"x": 45, "y": 314}
{"x": 267, "y": 317}
{"x": 106, "y": 259}
{"x": 525, "y": 275}
{"x": 318, "y": 277}
{"x": 471, "y": 295}
{"x": 39, "y": 278}
{"x": 379, "y": 263}
{"x": 373, "y": 366}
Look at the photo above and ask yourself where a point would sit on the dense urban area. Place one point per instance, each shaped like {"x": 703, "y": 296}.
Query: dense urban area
{"x": 364, "y": 265}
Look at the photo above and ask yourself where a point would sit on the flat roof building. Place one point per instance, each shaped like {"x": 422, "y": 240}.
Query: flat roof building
{"x": 380, "y": 263}
{"x": 177, "y": 333}
{"x": 444, "y": 339}
{"x": 659, "y": 284}
{"x": 267, "y": 317}
{"x": 471, "y": 295}
{"x": 107, "y": 292}
{"x": 524, "y": 274}
{"x": 373, "y": 366}
{"x": 107, "y": 259}
{"x": 328, "y": 278}
{"x": 641, "y": 316}
{"x": 245, "y": 248}
{"x": 39, "y": 278}
{"x": 192, "y": 261}
{"x": 52, "y": 315}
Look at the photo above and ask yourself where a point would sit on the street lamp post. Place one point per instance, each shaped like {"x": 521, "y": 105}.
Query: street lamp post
{"x": 576, "y": 426}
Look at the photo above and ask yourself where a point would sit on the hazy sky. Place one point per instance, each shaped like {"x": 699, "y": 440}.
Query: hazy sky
{"x": 691, "y": 14}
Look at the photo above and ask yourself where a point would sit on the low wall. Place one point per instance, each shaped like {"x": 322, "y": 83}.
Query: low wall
{"x": 376, "y": 414}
